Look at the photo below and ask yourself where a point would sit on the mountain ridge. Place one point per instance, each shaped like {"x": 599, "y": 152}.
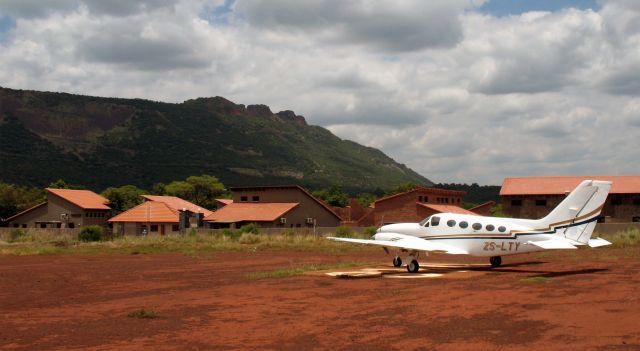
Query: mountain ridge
{"x": 100, "y": 142}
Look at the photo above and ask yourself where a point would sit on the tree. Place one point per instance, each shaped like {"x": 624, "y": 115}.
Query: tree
{"x": 124, "y": 197}
{"x": 14, "y": 199}
{"x": 402, "y": 188}
{"x": 366, "y": 199}
{"x": 206, "y": 189}
{"x": 333, "y": 195}
{"x": 61, "y": 184}
{"x": 181, "y": 189}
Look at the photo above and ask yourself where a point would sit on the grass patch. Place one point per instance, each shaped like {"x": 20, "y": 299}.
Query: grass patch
{"x": 45, "y": 243}
{"x": 300, "y": 270}
{"x": 625, "y": 238}
{"x": 537, "y": 278}
{"x": 143, "y": 314}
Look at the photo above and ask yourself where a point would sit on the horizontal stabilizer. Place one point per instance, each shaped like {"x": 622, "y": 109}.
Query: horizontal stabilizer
{"x": 597, "y": 242}
{"x": 553, "y": 244}
{"x": 408, "y": 242}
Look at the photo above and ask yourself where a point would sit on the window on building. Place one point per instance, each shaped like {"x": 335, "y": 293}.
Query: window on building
{"x": 43, "y": 225}
{"x": 516, "y": 202}
{"x": 16, "y": 225}
{"x": 490, "y": 227}
{"x": 636, "y": 201}
{"x": 458, "y": 200}
{"x": 541, "y": 202}
{"x": 154, "y": 227}
{"x": 426, "y": 199}
{"x": 435, "y": 220}
{"x": 243, "y": 199}
{"x": 451, "y": 223}
{"x": 175, "y": 227}
{"x": 616, "y": 201}
{"x": 420, "y": 199}
{"x": 72, "y": 225}
{"x": 255, "y": 198}
{"x": 463, "y": 224}
{"x": 476, "y": 226}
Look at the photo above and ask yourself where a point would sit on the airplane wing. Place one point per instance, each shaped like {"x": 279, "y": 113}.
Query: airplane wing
{"x": 407, "y": 242}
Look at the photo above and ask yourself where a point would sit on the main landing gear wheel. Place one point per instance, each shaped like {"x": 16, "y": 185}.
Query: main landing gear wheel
{"x": 413, "y": 266}
{"x": 397, "y": 262}
{"x": 495, "y": 261}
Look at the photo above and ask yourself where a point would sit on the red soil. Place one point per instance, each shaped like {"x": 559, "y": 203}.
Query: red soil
{"x": 208, "y": 302}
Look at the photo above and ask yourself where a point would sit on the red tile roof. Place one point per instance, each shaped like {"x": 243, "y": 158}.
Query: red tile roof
{"x": 225, "y": 201}
{"x": 85, "y": 199}
{"x": 447, "y": 209}
{"x": 563, "y": 184}
{"x": 150, "y": 211}
{"x": 177, "y": 203}
{"x": 250, "y": 212}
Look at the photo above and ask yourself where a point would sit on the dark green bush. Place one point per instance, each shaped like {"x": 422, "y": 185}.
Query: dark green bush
{"x": 250, "y": 228}
{"x": 16, "y": 234}
{"x": 344, "y": 232}
{"x": 370, "y": 231}
{"x": 91, "y": 233}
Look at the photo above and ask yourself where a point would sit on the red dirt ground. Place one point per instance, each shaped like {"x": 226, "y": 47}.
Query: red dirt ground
{"x": 209, "y": 302}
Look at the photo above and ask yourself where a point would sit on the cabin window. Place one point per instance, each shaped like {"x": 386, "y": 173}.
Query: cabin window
{"x": 463, "y": 224}
{"x": 516, "y": 202}
{"x": 541, "y": 202}
{"x": 490, "y": 227}
{"x": 502, "y": 229}
{"x": 451, "y": 223}
{"x": 477, "y": 226}
{"x": 435, "y": 221}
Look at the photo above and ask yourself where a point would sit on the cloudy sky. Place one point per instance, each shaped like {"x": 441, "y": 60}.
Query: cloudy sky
{"x": 459, "y": 90}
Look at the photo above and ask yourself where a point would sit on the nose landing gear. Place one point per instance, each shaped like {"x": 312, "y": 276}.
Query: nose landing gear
{"x": 397, "y": 261}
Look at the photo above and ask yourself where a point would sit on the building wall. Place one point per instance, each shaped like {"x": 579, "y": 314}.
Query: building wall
{"x": 136, "y": 228}
{"x": 618, "y": 208}
{"x": 307, "y": 208}
{"x": 50, "y": 215}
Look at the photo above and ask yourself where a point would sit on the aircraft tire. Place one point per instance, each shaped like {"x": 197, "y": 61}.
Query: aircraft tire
{"x": 413, "y": 267}
{"x": 495, "y": 261}
{"x": 397, "y": 262}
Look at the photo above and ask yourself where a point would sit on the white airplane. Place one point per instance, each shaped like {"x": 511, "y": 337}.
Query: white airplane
{"x": 569, "y": 225}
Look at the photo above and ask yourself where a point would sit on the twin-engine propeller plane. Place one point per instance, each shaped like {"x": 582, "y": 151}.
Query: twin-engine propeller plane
{"x": 569, "y": 225}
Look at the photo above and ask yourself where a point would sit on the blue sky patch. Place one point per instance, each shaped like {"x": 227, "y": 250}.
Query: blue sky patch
{"x": 516, "y": 7}
{"x": 219, "y": 14}
{"x": 6, "y": 25}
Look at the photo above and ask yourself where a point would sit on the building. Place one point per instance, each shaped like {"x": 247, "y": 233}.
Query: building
{"x": 273, "y": 207}
{"x": 159, "y": 215}
{"x": 535, "y": 197}
{"x": 413, "y": 206}
{"x": 64, "y": 208}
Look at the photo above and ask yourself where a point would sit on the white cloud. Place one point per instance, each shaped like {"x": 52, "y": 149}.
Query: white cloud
{"x": 456, "y": 95}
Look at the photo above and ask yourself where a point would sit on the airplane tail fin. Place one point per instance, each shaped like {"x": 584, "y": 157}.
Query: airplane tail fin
{"x": 576, "y": 216}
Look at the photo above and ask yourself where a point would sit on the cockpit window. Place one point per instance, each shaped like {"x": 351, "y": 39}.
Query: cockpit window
{"x": 451, "y": 223}
{"x": 425, "y": 222}
{"x": 435, "y": 220}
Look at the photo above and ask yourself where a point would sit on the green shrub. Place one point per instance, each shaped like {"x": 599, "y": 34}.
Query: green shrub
{"x": 248, "y": 238}
{"x": 193, "y": 232}
{"x": 344, "y": 232}
{"x": 370, "y": 231}
{"x": 250, "y": 228}
{"x": 16, "y": 235}
{"x": 91, "y": 233}
{"x": 231, "y": 234}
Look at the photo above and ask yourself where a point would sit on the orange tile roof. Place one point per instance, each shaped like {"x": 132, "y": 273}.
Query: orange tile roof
{"x": 225, "y": 201}
{"x": 561, "y": 184}
{"x": 447, "y": 209}
{"x": 251, "y": 212}
{"x": 150, "y": 211}
{"x": 178, "y": 204}
{"x": 85, "y": 199}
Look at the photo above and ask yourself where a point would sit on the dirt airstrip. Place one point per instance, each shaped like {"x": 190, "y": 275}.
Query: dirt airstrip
{"x": 212, "y": 301}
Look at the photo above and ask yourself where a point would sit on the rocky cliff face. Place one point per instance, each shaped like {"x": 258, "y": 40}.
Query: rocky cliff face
{"x": 102, "y": 142}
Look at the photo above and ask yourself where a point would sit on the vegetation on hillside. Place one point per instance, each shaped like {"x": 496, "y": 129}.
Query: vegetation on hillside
{"x": 107, "y": 142}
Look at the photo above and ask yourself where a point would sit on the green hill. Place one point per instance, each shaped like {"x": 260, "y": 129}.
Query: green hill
{"x": 100, "y": 142}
